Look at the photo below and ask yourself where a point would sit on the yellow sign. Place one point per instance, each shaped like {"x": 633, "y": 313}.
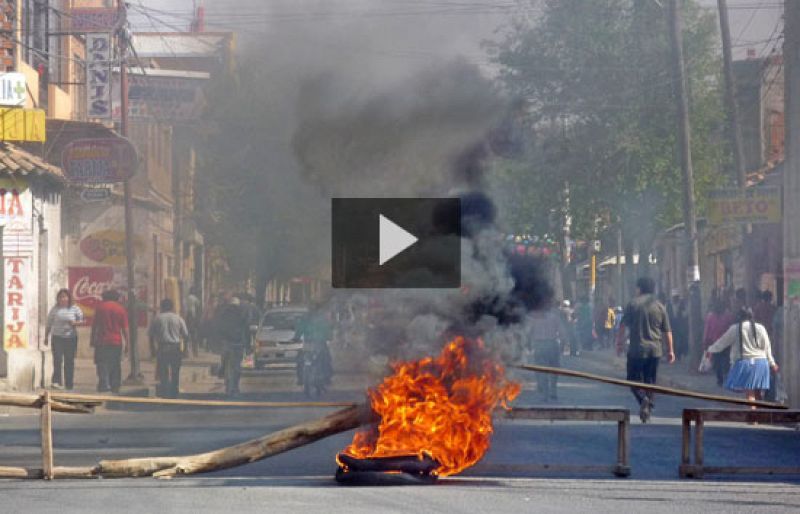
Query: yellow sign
{"x": 754, "y": 205}
{"x": 22, "y": 125}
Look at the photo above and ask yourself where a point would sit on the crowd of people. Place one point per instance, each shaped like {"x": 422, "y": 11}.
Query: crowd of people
{"x": 736, "y": 337}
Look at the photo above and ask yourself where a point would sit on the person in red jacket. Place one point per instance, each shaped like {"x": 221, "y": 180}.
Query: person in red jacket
{"x": 110, "y": 339}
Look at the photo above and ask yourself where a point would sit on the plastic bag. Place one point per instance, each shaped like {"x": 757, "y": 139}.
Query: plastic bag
{"x": 706, "y": 364}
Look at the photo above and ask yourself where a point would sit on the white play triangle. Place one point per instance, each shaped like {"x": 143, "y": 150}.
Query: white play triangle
{"x": 393, "y": 239}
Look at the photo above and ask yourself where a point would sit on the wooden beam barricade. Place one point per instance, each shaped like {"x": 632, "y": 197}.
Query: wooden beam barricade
{"x": 196, "y": 403}
{"x": 47, "y": 437}
{"x": 34, "y": 401}
{"x": 651, "y": 387}
{"x": 698, "y": 469}
{"x": 614, "y": 414}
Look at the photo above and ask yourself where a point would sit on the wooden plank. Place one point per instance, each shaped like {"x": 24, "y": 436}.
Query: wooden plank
{"x": 199, "y": 403}
{"x": 649, "y": 387}
{"x": 47, "y": 437}
{"x": 75, "y": 472}
{"x": 16, "y": 472}
{"x": 751, "y": 470}
{"x": 34, "y": 401}
{"x": 746, "y": 415}
{"x": 566, "y": 414}
{"x": 698, "y": 447}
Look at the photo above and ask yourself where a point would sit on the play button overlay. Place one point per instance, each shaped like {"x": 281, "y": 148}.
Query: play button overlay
{"x": 392, "y": 239}
{"x": 396, "y": 243}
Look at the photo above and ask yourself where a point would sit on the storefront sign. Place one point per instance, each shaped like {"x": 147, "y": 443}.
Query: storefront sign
{"x": 755, "y": 205}
{"x": 88, "y": 284}
{"x": 22, "y": 125}
{"x": 99, "y": 161}
{"x": 159, "y": 95}
{"x": 12, "y": 89}
{"x": 95, "y": 194}
{"x": 98, "y": 75}
{"x": 93, "y": 19}
{"x": 17, "y": 331}
{"x": 108, "y": 247}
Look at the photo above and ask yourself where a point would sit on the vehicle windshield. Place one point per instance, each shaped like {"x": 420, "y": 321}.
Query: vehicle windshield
{"x": 281, "y": 320}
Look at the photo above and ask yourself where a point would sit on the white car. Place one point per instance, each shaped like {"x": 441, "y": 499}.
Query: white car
{"x": 274, "y": 343}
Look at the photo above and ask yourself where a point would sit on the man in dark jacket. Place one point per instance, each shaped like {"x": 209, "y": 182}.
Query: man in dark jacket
{"x": 233, "y": 333}
{"x": 648, "y": 326}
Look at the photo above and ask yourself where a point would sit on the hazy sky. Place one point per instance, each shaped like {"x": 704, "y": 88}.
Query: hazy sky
{"x": 414, "y": 30}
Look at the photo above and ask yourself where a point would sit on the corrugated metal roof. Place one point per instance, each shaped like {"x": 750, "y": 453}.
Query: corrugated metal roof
{"x": 18, "y": 162}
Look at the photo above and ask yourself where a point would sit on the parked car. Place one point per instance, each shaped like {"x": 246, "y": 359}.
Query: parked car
{"x": 273, "y": 343}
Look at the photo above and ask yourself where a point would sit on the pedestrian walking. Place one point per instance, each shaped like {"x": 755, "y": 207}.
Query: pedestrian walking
{"x": 168, "y": 336}
{"x": 569, "y": 344}
{"x": 110, "y": 338}
{"x": 233, "y": 334}
{"x": 192, "y": 316}
{"x": 62, "y": 333}
{"x": 315, "y": 330}
{"x": 751, "y": 356}
{"x": 647, "y": 324}
{"x": 546, "y": 331}
{"x": 718, "y": 320}
{"x": 584, "y": 324}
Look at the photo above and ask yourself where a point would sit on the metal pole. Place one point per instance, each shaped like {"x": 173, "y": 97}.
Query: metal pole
{"x": 685, "y": 149}
{"x": 135, "y": 375}
{"x": 790, "y": 356}
{"x": 735, "y": 129}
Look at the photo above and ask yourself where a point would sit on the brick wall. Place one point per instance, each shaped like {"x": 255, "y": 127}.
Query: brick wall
{"x": 7, "y": 15}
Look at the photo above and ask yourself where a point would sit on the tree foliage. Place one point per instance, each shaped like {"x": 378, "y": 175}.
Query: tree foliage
{"x": 595, "y": 78}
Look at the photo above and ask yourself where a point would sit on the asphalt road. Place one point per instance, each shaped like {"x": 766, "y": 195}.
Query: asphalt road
{"x": 504, "y": 481}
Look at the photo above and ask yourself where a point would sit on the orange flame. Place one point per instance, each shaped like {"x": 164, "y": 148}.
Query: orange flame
{"x": 438, "y": 406}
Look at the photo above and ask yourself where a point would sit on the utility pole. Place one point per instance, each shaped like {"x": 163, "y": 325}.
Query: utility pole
{"x": 730, "y": 95}
{"x": 122, "y": 43}
{"x": 685, "y": 148}
{"x": 790, "y": 354}
{"x": 734, "y": 129}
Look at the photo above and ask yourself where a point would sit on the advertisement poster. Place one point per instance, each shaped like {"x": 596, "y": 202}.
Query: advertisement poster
{"x": 87, "y": 285}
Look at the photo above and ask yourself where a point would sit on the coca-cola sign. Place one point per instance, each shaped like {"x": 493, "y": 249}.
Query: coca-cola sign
{"x": 88, "y": 284}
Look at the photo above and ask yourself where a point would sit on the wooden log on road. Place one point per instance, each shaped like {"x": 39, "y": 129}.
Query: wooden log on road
{"x": 650, "y": 387}
{"x": 243, "y": 453}
{"x": 34, "y": 401}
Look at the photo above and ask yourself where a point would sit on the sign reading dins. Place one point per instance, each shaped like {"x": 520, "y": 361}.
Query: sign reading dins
{"x": 16, "y": 309}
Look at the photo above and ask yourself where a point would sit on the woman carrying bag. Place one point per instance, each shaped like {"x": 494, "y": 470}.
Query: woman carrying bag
{"x": 61, "y": 323}
{"x": 751, "y": 356}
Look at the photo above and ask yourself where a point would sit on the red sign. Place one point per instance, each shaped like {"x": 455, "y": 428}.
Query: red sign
{"x": 88, "y": 284}
{"x": 99, "y": 161}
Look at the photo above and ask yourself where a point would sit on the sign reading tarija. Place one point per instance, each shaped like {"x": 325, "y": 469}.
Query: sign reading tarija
{"x": 98, "y": 161}
{"x": 754, "y": 205}
{"x": 16, "y": 309}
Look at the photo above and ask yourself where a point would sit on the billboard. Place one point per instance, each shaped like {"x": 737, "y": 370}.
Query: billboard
{"x": 93, "y": 19}
{"x": 99, "y": 161}
{"x": 87, "y": 284}
{"x": 754, "y": 205}
{"x": 98, "y": 75}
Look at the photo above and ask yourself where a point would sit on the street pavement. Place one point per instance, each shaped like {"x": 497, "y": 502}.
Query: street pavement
{"x": 506, "y": 480}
